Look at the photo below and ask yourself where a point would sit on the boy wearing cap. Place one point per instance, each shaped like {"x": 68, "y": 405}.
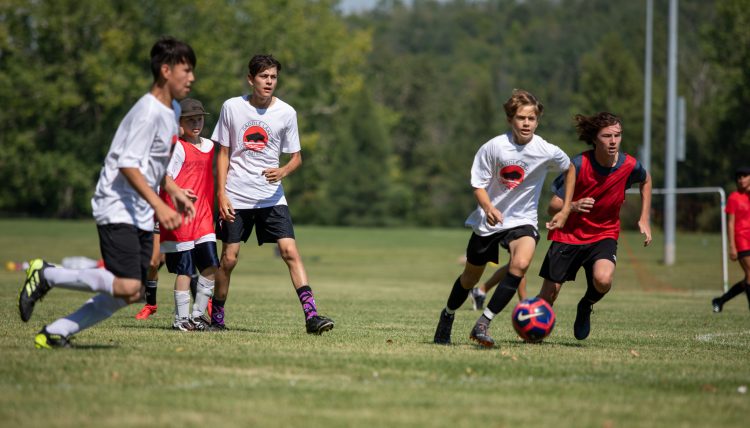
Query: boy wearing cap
{"x": 738, "y": 219}
{"x": 193, "y": 245}
{"x": 254, "y": 131}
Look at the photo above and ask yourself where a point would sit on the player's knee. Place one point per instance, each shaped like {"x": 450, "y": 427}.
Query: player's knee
{"x": 289, "y": 255}
{"x": 228, "y": 262}
{"x": 603, "y": 283}
{"x": 520, "y": 265}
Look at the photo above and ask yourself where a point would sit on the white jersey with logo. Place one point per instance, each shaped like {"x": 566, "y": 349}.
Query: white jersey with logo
{"x": 256, "y": 139}
{"x": 143, "y": 140}
{"x": 513, "y": 176}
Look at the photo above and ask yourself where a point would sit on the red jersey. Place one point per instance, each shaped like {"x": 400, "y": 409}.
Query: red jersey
{"x": 607, "y": 186}
{"x": 738, "y": 204}
{"x": 191, "y": 167}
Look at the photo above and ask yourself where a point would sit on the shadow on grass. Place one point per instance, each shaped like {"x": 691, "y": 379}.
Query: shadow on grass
{"x": 169, "y": 328}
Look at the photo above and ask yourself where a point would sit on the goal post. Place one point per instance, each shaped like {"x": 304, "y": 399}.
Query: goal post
{"x": 722, "y": 205}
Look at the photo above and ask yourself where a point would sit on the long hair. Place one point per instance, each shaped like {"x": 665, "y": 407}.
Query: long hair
{"x": 588, "y": 126}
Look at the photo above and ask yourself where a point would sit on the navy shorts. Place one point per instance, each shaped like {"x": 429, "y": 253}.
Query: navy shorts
{"x": 271, "y": 224}
{"x": 126, "y": 250}
{"x": 563, "y": 261}
{"x": 187, "y": 262}
{"x": 484, "y": 249}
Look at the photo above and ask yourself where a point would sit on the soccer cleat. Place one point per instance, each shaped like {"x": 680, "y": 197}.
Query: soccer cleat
{"x": 218, "y": 327}
{"x": 201, "y": 323}
{"x": 46, "y": 340}
{"x": 33, "y": 289}
{"x": 477, "y": 299}
{"x": 582, "y": 324}
{"x": 318, "y": 324}
{"x": 479, "y": 334}
{"x": 444, "y": 327}
{"x": 717, "y": 305}
{"x": 146, "y": 312}
{"x": 183, "y": 324}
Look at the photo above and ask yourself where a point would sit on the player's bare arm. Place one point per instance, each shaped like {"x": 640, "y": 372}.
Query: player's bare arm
{"x": 730, "y": 237}
{"x": 559, "y": 219}
{"x": 226, "y": 211}
{"x": 494, "y": 216}
{"x": 644, "y": 223}
{"x": 166, "y": 216}
{"x": 274, "y": 175}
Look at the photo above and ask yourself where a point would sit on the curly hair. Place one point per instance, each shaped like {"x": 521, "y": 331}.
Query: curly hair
{"x": 589, "y": 126}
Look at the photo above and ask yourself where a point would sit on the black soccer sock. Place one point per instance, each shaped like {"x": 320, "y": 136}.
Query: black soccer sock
{"x": 747, "y": 293}
{"x": 194, "y": 285}
{"x": 151, "y": 292}
{"x": 504, "y": 293}
{"x": 216, "y": 303}
{"x": 592, "y": 295}
{"x": 734, "y": 291}
{"x": 458, "y": 295}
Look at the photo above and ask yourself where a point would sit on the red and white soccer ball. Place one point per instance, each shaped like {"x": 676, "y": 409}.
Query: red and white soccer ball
{"x": 533, "y": 319}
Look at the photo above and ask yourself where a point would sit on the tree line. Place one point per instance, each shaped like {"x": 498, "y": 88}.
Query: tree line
{"x": 392, "y": 102}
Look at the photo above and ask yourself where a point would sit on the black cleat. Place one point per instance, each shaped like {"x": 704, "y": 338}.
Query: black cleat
{"x": 582, "y": 324}
{"x": 46, "y": 340}
{"x": 33, "y": 289}
{"x": 318, "y": 324}
{"x": 477, "y": 299}
{"x": 717, "y": 305}
{"x": 183, "y": 324}
{"x": 444, "y": 328}
{"x": 201, "y": 323}
{"x": 479, "y": 334}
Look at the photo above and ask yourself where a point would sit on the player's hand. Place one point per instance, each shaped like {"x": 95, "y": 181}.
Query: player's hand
{"x": 558, "y": 221}
{"x": 582, "y": 205}
{"x": 167, "y": 217}
{"x": 273, "y": 175}
{"x": 190, "y": 194}
{"x": 226, "y": 211}
{"x": 184, "y": 204}
{"x": 494, "y": 216}
{"x": 733, "y": 254}
{"x": 645, "y": 228}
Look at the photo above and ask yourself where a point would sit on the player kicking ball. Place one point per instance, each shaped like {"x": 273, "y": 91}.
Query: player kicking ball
{"x": 589, "y": 237}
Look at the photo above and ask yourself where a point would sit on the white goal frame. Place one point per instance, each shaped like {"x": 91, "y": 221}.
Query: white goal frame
{"x": 723, "y": 200}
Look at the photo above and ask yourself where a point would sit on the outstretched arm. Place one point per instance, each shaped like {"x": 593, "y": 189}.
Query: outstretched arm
{"x": 644, "y": 223}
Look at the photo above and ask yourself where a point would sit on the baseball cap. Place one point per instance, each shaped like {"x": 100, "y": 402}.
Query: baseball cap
{"x": 191, "y": 107}
{"x": 742, "y": 171}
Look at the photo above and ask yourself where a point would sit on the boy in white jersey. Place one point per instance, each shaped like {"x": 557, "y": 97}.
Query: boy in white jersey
{"x": 507, "y": 176}
{"x": 193, "y": 245}
{"x": 124, "y": 204}
{"x": 254, "y": 130}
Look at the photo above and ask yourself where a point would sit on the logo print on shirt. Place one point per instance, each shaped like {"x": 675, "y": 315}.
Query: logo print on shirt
{"x": 511, "y": 176}
{"x": 255, "y": 138}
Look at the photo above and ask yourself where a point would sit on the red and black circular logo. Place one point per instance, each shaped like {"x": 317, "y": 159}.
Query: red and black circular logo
{"x": 511, "y": 176}
{"x": 255, "y": 138}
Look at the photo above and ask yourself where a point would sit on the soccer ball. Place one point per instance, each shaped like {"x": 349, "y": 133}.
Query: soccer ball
{"x": 533, "y": 319}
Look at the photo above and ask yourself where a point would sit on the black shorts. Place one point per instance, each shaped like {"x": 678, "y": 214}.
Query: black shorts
{"x": 484, "y": 249}
{"x": 186, "y": 262}
{"x": 743, "y": 254}
{"x": 563, "y": 261}
{"x": 271, "y": 224}
{"x": 126, "y": 250}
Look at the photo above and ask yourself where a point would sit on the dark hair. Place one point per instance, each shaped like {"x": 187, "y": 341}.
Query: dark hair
{"x": 259, "y": 63}
{"x": 170, "y": 51}
{"x": 521, "y": 98}
{"x": 741, "y": 172}
{"x": 588, "y": 126}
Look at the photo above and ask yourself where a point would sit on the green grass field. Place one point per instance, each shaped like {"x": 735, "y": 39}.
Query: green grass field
{"x": 656, "y": 357}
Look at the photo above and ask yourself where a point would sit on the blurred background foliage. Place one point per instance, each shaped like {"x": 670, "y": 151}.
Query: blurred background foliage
{"x": 392, "y": 101}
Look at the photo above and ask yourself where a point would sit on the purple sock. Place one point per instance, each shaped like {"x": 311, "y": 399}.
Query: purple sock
{"x": 217, "y": 315}
{"x": 307, "y": 300}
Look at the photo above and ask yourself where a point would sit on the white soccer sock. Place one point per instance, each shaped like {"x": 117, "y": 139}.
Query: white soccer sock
{"x": 488, "y": 314}
{"x": 96, "y": 280}
{"x": 181, "y": 304}
{"x": 203, "y": 293}
{"x": 96, "y": 309}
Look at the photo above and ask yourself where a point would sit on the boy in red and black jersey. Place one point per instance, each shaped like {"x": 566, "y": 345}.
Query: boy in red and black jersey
{"x": 589, "y": 237}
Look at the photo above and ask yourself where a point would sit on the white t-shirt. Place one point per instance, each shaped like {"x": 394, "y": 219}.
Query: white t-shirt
{"x": 143, "y": 140}
{"x": 513, "y": 176}
{"x": 256, "y": 139}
